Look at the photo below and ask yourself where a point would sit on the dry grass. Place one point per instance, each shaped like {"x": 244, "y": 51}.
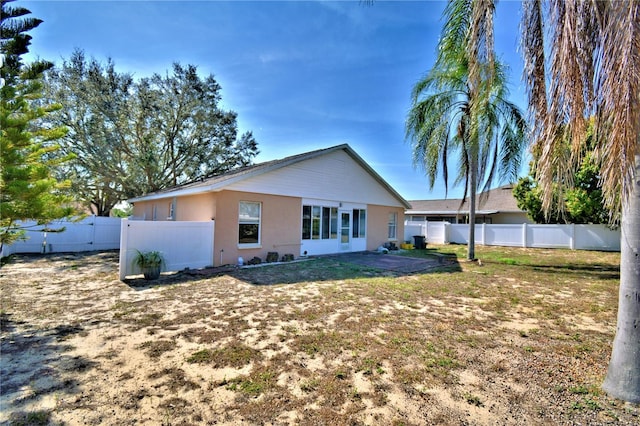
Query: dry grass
{"x": 521, "y": 338}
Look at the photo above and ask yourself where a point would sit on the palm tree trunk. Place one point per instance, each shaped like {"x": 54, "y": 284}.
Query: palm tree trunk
{"x": 623, "y": 375}
{"x": 471, "y": 247}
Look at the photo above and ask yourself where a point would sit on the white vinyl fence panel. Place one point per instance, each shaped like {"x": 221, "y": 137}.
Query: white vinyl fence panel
{"x": 90, "y": 234}
{"x": 182, "y": 244}
{"x": 433, "y": 231}
{"x": 596, "y": 237}
{"x": 455, "y": 233}
{"x": 503, "y": 235}
{"x": 549, "y": 236}
{"x": 436, "y": 231}
{"x": 575, "y": 237}
{"x": 412, "y": 229}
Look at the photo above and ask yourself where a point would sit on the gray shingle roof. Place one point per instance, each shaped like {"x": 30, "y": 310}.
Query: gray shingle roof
{"x": 496, "y": 200}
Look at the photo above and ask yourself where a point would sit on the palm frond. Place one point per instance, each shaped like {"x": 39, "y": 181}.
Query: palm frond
{"x": 534, "y": 65}
{"x": 570, "y": 93}
{"x": 618, "y": 84}
{"x": 480, "y": 49}
{"x": 595, "y": 49}
{"x": 455, "y": 30}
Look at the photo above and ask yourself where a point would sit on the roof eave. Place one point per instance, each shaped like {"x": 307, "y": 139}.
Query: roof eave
{"x": 171, "y": 194}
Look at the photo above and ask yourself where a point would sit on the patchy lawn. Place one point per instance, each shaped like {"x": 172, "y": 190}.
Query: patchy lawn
{"x": 521, "y": 338}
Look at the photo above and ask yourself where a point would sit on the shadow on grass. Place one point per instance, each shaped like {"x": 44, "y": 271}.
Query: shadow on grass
{"x": 588, "y": 270}
{"x": 168, "y": 279}
{"x": 68, "y": 260}
{"x": 528, "y": 262}
{"x": 591, "y": 271}
{"x": 36, "y": 368}
{"x": 322, "y": 268}
{"x": 346, "y": 267}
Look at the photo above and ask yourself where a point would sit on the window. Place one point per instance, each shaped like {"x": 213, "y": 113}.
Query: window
{"x": 450, "y": 219}
{"x": 393, "y": 225}
{"x": 319, "y": 222}
{"x": 249, "y": 223}
{"x": 326, "y": 220}
{"x": 315, "y": 222}
{"x": 334, "y": 223}
{"x": 171, "y": 211}
{"x": 306, "y": 222}
{"x": 359, "y": 223}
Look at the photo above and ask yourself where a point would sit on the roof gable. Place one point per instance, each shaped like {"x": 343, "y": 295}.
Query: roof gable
{"x": 243, "y": 178}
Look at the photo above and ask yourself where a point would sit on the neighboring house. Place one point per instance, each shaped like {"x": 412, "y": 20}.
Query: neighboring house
{"x": 320, "y": 202}
{"x": 494, "y": 206}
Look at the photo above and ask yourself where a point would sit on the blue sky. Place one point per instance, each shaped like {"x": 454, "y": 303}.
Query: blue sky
{"x": 301, "y": 75}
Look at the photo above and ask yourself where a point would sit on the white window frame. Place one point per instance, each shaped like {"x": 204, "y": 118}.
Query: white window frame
{"x": 240, "y": 221}
{"x": 172, "y": 211}
{"x": 333, "y": 226}
{"x": 392, "y": 224}
{"x": 362, "y": 227}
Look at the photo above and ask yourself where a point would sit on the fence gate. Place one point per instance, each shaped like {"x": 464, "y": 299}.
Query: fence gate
{"x": 92, "y": 233}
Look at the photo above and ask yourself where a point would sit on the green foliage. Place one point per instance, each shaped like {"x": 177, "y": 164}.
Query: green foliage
{"x": 529, "y": 198}
{"x": 581, "y": 202}
{"x": 28, "y": 189}
{"x": 234, "y": 355}
{"x": 156, "y": 132}
{"x": 584, "y": 202}
{"x": 473, "y": 400}
{"x": 258, "y": 382}
{"x": 124, "y": 212}
{"x": 33, "y": 418}
{"x": 200, "y": 357}
{"x": 155, "y": 348}
{"x": 148, "y": 259}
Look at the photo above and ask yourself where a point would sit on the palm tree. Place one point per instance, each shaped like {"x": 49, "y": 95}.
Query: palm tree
{"x": 460, "y": 108}
{"x": 592, "y": 66}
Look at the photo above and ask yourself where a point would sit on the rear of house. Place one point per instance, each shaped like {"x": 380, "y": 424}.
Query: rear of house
{"x": 320, "y": 202}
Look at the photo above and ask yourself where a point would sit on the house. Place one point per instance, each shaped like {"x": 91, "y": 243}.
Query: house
{"x": 494, "y": 206}
{"x": 320, "y": 202}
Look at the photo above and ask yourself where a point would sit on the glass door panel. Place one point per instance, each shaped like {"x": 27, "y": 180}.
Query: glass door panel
{"x": 345, "y": 230}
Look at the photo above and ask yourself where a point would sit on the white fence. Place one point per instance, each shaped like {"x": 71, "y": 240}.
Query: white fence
{"x": 182, "y": 244}
{"x": 91, "y": 233}
{"x": 575, "y": 237}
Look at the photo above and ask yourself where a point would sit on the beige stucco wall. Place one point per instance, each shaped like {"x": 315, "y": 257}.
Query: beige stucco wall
{"x": 140, "y": 208}
{"x": 144, "y": 209}
{"x": 377, "y": 226}
{"x": 281, "y": 224}
{"x": 510, "y": 218}
{"x": 200, "y": 207}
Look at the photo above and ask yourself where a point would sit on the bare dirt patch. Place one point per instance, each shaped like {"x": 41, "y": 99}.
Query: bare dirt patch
{"x": 522, "y": 338}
